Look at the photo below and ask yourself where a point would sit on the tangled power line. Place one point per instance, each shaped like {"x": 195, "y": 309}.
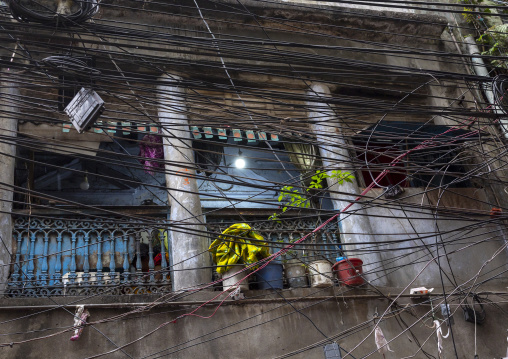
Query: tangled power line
{"x": 123, "y": 60}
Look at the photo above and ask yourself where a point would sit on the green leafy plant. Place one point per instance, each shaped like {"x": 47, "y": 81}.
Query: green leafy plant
{"x": 290, "y": 254}
{"x": 494, "y": 37}
{"x": 292, "y": 197}
{"x": 495, "y": 41}
{"x": 470, "y": 18}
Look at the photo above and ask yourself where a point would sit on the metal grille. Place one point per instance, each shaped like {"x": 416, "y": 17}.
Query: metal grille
{"x": 86, "y": 256}
{"x": 324, "y": 244}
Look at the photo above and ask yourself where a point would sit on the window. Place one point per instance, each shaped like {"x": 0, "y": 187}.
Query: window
{"x": 440, "y": 163}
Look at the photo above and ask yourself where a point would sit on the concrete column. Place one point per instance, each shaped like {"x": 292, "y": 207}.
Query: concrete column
{"x": 333, "y": 150}
{"x": 9, "y": 94}
{"x": 189, "y": 247}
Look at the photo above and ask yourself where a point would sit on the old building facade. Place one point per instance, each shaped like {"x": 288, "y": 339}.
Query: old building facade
{"x": 119, "y": 217}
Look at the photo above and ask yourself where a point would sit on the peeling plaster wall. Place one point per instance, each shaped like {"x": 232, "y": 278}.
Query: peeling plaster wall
{"x": 250, "y": 331}
{"x": 8, "y": 128}
{"x": 403, "y": 263}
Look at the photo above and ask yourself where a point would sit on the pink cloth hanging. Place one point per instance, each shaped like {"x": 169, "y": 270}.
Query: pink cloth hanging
{"x": 151, "y": 148}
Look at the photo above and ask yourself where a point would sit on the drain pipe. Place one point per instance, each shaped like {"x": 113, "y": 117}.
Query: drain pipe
{"x": 481, "y": 70}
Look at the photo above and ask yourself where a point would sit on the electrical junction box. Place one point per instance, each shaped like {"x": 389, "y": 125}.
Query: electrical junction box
{"x": 84, "y": 109}
{"x": 332, "y": 351}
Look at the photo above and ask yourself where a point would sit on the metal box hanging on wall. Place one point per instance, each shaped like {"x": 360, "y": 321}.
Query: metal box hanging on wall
{"x": 332, "y": 351}
{"x": 84, "y": 109}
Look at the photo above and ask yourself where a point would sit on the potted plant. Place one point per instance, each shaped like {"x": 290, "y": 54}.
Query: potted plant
{"x": 294, "y": 269}
{"x": 320, "y": 270}
{"x": 270, "y": 276}
{"x": 296, "y": 273}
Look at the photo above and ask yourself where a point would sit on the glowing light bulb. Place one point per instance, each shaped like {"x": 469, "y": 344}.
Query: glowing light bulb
{"x": 84, "y": 185}
{"x": 240, "y": 163}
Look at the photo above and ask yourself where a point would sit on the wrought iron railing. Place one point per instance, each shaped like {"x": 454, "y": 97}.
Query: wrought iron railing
{"x": 86, "y": 256}
{"x": 321, "y": 245}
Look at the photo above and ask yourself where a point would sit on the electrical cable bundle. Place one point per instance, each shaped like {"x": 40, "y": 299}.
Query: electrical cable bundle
{"x": 86, "y": 9}
{"x": 135, "y": 93}
{"x": 471, "y": 314}
{"x": 499, "y": 88}
{"x": 69, "y": 65}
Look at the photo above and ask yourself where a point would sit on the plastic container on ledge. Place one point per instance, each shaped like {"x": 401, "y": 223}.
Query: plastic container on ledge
{"x": 235, "y": 277}
{"x": 320, "y": 274}
{"x": 270, "y": 277}
{"x": 349, "y": 271}
{"x": 295, "y": 274}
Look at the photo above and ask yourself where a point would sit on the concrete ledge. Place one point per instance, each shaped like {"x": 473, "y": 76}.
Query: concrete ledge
{"x": 251, "y": 297}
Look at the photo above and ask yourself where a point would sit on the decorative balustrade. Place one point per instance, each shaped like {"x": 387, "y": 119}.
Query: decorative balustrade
{"x": 86, "y": 256}
{"x": 112, "y": 256}
{"x": 323, "y": 244}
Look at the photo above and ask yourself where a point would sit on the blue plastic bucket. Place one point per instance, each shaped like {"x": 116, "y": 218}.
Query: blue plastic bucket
{"x": 270, "y": 277}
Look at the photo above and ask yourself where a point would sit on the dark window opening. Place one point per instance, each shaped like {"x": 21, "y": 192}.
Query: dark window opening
{"x": 436, "y": 165}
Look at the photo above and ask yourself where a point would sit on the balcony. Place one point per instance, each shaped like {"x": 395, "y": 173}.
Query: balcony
{"x": 324, "y": 244}
{"x": 86, "y": 256}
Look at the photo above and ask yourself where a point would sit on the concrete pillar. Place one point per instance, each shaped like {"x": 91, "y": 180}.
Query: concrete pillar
{"x": 333, "y": 150}
{"x": 9, "y": 94}
{"x": 189, "y": 247}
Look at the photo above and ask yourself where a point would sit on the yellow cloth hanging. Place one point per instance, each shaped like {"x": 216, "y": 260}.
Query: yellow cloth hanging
{"x": 228, "y": 249}
{"x": 164, "y": 234}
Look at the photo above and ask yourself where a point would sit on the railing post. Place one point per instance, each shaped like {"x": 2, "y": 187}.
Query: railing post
{"x": 58, "y": 263}
{"x": 323, "y": 250}
{"x": 139, "y": 273}
{"x": 151, "y": 264}
{"x": 99, "y": 274}
{"x": 86, "y": 263}
{"x": 112, "y": 265}
{"x": 31, "y": 264}
{"x": 17, "y": 266}
{"x": 294, "y": 253}
{"x": 44, "y": 267}
{"x": 280, "y": 239}
{"x": 337, "y": 245}
{"x": 164, "y": 264}
{"x": 125, "y": 258}
{"x": 72, "y": 275}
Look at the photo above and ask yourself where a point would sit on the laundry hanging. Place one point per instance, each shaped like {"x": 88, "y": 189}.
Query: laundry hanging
{"x": 381, "y": 342}
{"x": 80, "y": 318}
{"x": 151, "y": 150}
{"x": 440, "y": 336}
{"x": 238, "y": 244}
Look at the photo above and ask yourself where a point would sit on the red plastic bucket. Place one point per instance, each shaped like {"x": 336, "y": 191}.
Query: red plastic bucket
{"x": 349, "y": 271}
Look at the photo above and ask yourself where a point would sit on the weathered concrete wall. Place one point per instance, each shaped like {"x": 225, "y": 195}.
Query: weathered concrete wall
{"x": 165, "y": 31}
{"x": 9, "y": 95}
{"x": 248, "y": 330}
{"x": 469, "y": 244}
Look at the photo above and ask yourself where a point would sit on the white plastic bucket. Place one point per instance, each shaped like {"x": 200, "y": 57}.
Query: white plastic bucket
{"x": 229, "y": 283}
{"x": 320, "y": 274}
